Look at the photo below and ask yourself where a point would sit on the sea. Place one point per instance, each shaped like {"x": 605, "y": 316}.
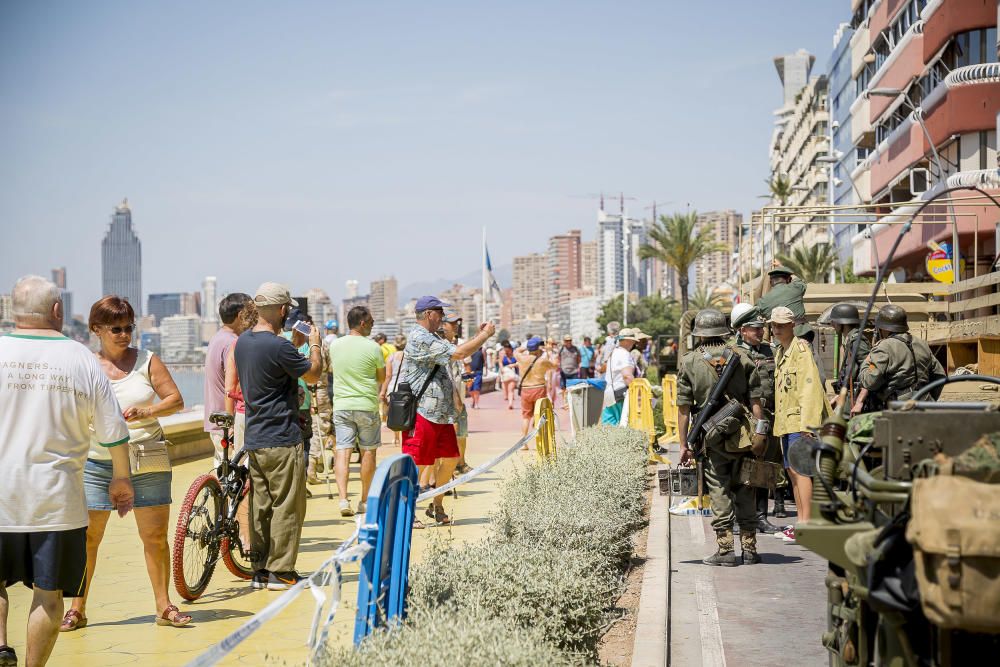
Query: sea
{"x": 190, "y": 379}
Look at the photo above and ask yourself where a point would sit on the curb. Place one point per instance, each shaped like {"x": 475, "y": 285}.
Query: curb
{"x": 649, "y": 648}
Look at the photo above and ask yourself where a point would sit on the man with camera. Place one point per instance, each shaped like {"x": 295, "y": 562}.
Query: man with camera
{"x": 433, "y": 441}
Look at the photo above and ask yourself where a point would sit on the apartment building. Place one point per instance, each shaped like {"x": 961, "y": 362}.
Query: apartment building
{"x": 715, "y": 269}
{"x": 384, "y": 299}
{"x": 927, "y": 80}
{"x": 588, "y": 265}
{"x": 529, "y": 292}
{"x": 565, "y": 274}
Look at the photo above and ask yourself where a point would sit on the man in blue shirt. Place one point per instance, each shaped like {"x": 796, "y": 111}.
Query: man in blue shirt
{"x": 586, "y": 358}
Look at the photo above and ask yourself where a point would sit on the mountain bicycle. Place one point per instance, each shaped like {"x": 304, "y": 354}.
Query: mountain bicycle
{"x": 207, "y": 526}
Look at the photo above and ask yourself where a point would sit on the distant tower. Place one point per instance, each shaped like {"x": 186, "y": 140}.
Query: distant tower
{"x": 350, "y": 289}
{"x": 59, "y": 278}
{"x": 793, "y": 70}
{"x": 121, "y": 259}
{"x": 209, "y": 302}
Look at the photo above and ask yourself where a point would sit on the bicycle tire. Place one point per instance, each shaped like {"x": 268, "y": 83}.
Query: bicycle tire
{"x": 231, "y": 552}
{"x": 202, "y": 557}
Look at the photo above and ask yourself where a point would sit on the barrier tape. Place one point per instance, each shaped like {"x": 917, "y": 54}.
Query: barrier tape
{"x": 479, "y": 470}
{"x": 345, "y": 553}
{"x": 329, "y": 573}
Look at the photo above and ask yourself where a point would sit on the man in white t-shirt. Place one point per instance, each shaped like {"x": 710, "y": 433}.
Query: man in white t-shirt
{"x": 51, "y": 391}
{"x": 619, "y": 375}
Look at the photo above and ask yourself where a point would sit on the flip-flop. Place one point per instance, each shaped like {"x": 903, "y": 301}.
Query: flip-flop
{"x": 179, "y": 620}
{"x": 418, "y": 524}
{"x": 72, "y": 620}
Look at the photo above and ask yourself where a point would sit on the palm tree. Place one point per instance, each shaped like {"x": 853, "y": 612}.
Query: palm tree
{"x": 811, "y": 263}
{"x": 779, "y": 188}
{"x": 676, "y": 240}
{"x": 702, "y": 299}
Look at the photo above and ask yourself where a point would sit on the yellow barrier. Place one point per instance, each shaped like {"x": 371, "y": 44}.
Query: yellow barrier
{"x": 545, "y": 440}
{"x": 640, "y": 415}
{"x": 670, "y": 407}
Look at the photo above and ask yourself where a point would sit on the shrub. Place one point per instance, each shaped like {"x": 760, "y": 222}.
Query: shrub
{"x": 564, "y": 596}
{"x": 447, "y": 635}
{"x": 589, "y": 499}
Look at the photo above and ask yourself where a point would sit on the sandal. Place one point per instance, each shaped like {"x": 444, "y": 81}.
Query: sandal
{"x": 72, "y": 620}
{"x": 178, "y": 621}
{"x": 418, "y": 524}
{"x": 439, "y": 516}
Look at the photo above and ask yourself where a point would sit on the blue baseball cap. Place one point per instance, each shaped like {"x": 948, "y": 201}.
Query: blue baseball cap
{"x": 294, "y": 315}
{"x": 534, "y": 343}
{"x": 430, "y": 303}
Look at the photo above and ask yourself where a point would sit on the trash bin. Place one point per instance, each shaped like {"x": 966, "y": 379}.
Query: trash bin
{"x": 586, "y": 401}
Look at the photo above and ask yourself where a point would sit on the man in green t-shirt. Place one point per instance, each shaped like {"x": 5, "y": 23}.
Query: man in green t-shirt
{"x": 358, "y": 372}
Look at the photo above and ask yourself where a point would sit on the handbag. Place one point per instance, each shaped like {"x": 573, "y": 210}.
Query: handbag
{"x": 401, "y": 413}
{"x": 150, "y": 456}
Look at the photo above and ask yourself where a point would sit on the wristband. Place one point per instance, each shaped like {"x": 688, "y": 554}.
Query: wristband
{"x": 315, "y": 345}
{"x": 762, "y": 427}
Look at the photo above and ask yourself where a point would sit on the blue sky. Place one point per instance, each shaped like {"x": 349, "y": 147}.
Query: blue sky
{"x": 315, "y": 142}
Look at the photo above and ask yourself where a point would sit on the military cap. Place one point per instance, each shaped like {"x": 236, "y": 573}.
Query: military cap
{"x": 780, "y": 271}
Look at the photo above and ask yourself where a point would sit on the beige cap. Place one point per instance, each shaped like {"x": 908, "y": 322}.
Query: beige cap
{"x": 568, "y": 337}
{"x": 781, "y": 315}
{"x": 628, "y": 334}
{"x": 273, "y": 294}
{"x": 642, "y": 336}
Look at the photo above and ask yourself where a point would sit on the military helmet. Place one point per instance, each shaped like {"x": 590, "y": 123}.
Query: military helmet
{"x": 845, "y": 313}
{"x": 780, "y": 271}
{"x": 710, "y": 322}
{"x": 891, "y": 318}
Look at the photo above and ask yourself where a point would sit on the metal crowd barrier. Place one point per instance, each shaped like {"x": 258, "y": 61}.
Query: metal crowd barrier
{"x": 545, "y": 426}
{"x": 669, "y": 403}
{"x": 640, "y": 414}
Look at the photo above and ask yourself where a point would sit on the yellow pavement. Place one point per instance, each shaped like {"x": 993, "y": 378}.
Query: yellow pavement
{"x": 121, "y": 609}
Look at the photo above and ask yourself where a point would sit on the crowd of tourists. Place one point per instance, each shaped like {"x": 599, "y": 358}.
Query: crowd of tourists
{"x": 83, "y": 436}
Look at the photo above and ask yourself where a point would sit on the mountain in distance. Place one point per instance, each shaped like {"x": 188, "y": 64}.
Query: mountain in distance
{"x": 504, "y": 275}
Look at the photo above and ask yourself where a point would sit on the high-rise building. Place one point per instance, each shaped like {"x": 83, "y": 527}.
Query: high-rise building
{"x": 640, "y": 270}
{"x": 565, "y": 276}
{"x": 583, "y": 314}
{"x": 347, "y": 304}
{"x": 793, "y": 70}
{"x": 350, "y": 289}
{"x": 6, "y": 308}
{"x": 209, "y": 300}
{"x": 121, "y": 259}
{"x": 529, "y": 289}
{"x": 59, "y": 278}
{"x": 843, "y": 92}
{"x": 588, "y": 264}
{"x": 169, "y": 304}
{"x": 941, "y": 59}
{"x": 610, "y": 274}
{"x": 715, "y": 269}
{"x": 384, "y": 299}
{"x": 321, "y": 308}
{"x": 180, "y": 338}
{"x": 467, "y": 302}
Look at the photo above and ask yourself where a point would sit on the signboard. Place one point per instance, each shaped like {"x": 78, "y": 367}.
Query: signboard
{"x": 939, "y": 264}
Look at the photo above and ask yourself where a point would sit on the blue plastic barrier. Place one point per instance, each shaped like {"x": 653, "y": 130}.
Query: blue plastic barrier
{"x": 387, "y": 529}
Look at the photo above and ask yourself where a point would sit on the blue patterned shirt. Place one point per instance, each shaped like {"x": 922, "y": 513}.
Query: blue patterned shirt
{"x": 423, "y": 352}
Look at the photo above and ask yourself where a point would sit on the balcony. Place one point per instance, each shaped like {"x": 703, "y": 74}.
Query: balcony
{"x": 904, "y": 147}
{"x": 944, "y": 19}
{"x": 904, "y": 63}
{"x": 971, "y": 75}
{"x": 967, "y": 101}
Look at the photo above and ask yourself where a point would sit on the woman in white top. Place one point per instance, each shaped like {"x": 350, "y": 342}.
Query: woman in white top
{"x": 138, "y": 377}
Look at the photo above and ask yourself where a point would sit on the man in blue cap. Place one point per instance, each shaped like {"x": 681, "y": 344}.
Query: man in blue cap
{"x": 532, "y": 364}
{"x": 433, "y": 441}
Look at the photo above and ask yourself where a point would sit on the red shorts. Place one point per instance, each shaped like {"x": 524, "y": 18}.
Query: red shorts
{"x": 428, "y": 442}
{"x": 530, "y": 396}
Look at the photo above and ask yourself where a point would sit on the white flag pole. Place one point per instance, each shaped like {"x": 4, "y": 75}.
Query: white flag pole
{"x": 485, "y": 287}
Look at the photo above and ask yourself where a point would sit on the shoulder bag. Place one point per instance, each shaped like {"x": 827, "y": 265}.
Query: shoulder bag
{"x": 530, "y": 366}
{"x": 401, "y": 414}
{"x": 150, "y": 456}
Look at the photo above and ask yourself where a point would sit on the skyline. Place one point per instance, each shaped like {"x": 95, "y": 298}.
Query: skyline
{"x": 224, "y": 128}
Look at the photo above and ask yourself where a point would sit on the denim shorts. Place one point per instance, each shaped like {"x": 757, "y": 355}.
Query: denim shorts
{"x": 359, "y": 427}
{"x": 151, "y": 488}
{"x": 786, "y": 442}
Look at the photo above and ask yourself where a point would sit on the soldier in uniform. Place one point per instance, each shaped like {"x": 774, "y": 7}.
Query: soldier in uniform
{"x": 321, "y": 410}
{"x": 699, "y": 372}
{"x": 897, "y": 365}
{"x": 786, "y": 290}
{"x": 749, "y": 327}
{"x": 846, "y": 320}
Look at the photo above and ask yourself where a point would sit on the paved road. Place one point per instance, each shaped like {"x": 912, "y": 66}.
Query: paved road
{"x": 121, "y": 608}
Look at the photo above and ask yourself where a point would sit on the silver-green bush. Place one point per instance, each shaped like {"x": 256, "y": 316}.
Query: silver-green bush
{"x": 449, "y": 636}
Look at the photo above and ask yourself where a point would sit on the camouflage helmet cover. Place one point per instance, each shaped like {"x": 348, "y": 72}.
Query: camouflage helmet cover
{"x": 710, "y": 322}
{"x": 892, "y": 318}
{"x": 845, "y": 313}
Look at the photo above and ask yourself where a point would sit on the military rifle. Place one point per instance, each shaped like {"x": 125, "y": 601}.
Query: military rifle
{"x": 695, "y": 437}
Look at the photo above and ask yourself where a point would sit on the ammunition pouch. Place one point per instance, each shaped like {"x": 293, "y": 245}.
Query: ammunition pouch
{"x": 759, "y": 473}
{"x": 729, "y": 421}
{"x": 955, "y": 533}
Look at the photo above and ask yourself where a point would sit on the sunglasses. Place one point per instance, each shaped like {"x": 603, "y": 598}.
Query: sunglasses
{"x": 117, "y": 331}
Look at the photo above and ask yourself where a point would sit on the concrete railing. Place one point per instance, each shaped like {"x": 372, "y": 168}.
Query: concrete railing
{"x": 973, "y": 74}
{"x": 186, "y": 433}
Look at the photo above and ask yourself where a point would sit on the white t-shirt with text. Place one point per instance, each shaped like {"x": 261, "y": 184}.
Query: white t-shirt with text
{"x": 52, "y": 390}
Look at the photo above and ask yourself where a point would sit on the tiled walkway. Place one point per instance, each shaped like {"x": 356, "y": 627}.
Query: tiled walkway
{"x": 121, "y": 607}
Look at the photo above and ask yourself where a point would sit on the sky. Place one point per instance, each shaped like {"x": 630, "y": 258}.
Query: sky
{"x": 312, "y": 143}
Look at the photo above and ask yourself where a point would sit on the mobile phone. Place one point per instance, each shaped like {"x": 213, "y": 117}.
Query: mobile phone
{"x": 302, "y": 327}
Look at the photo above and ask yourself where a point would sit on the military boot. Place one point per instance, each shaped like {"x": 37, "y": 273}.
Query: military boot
{"x": 748, "y": 546}
{"x": 779, "y": 503}
{"x": 726, "y": 554}
{"x": 763, "y": 525}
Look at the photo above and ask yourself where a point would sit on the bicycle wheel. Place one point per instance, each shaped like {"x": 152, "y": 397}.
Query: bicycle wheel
{"x": 196, "y": 541}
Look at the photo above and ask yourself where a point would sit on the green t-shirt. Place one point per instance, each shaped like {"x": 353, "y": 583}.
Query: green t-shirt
{"x": 305, "y": 398}
{"x": 355, "y": 361}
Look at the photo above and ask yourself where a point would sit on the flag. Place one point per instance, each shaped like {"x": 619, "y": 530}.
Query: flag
{"x": 491, "y": 281}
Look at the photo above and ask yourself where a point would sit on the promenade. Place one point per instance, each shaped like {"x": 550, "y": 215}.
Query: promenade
{"x": 120, "y": 610}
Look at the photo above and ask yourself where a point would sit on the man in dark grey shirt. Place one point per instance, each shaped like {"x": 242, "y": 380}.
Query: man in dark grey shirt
{"x": 269, "y": 367}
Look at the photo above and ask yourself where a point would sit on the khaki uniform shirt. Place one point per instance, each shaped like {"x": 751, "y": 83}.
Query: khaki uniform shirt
{"x": 800, "y": 402}
{"x": 892, "y": 372}
{"x": 788, "y": 295}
